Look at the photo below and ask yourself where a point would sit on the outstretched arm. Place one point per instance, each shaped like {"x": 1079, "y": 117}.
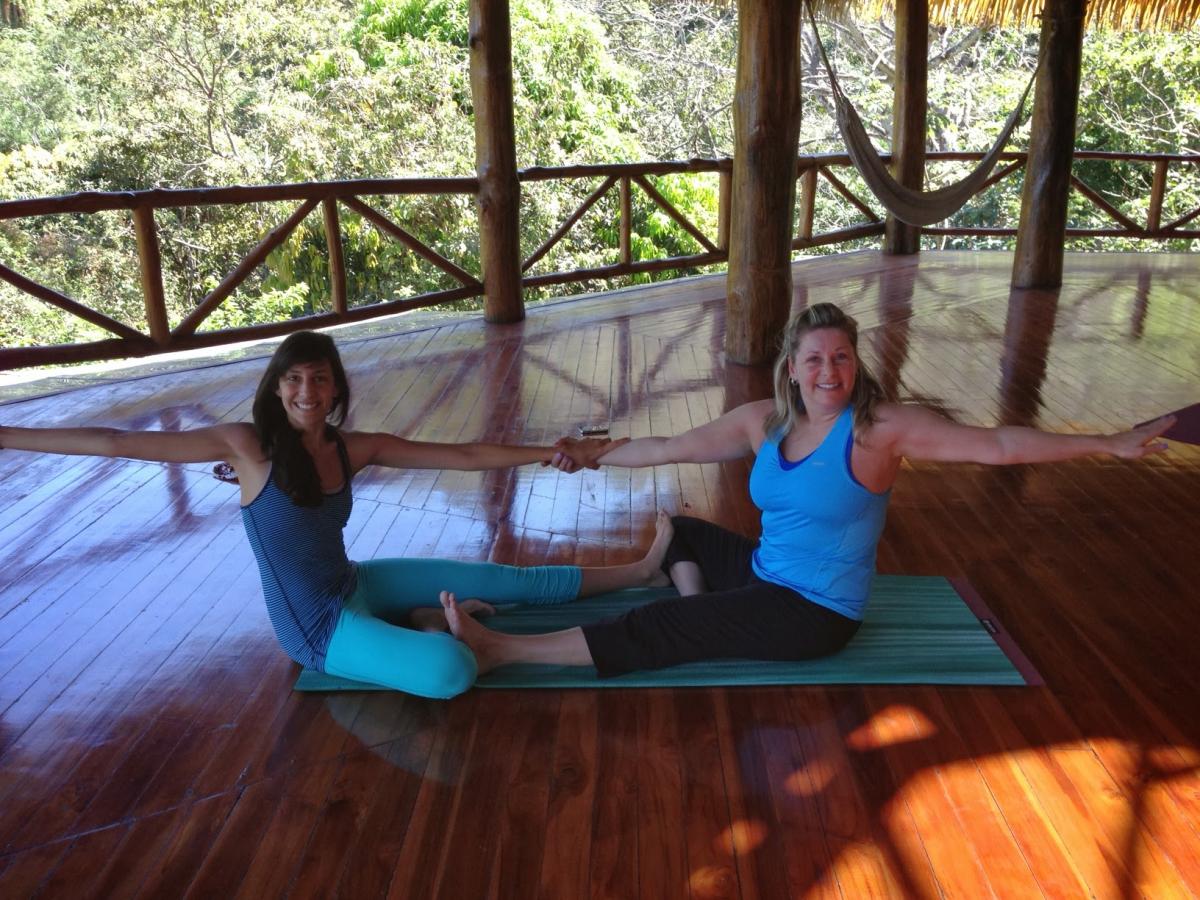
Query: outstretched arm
{"x": 732, "y": 436}
{"x": 377, "y": 449}
{"x": 918, "y": 433}
{"x": 218, "y": 442}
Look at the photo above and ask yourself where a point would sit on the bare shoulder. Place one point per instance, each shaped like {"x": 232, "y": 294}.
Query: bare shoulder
{"x": 753, "y": 416}
{"x": 899, "y": 412}
{"x": 754, "y": 412}
{"x": 757, "y": 407}
{"x": 364, "y": 446}
{"x": 900, "y": 416}
{"x": 893, "y": 421}
{"x": 239, "y": 434}
{"x": 241, "y": 438}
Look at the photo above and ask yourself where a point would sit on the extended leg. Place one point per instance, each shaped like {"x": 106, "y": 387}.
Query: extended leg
{"x": 391, "y": 588}
{"x": 494, "y": 648}
{"x": 757, "y": 621}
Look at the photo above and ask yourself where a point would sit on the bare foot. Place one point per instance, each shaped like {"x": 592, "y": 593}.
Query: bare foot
{"x": 653, "y": 560}
{"x": 434, "y": 618}
{"x": 478, "y": 638}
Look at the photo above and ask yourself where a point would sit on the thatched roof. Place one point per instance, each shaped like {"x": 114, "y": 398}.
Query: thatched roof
{"x": 1120, "y": 15}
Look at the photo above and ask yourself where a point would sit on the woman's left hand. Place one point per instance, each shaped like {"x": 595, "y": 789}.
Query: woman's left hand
{"x": 1139, "y": 442}
{"x": 573, "y": 454}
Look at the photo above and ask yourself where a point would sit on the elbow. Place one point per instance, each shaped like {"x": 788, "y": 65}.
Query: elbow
{"x": 1003, "y": 451}
{"x": 116, "y": 443}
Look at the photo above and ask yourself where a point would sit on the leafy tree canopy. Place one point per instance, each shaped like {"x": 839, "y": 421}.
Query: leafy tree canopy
{"x": 97, "y": 95}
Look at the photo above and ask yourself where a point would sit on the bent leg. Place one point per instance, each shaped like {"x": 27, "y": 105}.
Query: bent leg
{"x": 706, "y": 557}
{"x": 366, "y": 648}
{"x": 646, "y": 572}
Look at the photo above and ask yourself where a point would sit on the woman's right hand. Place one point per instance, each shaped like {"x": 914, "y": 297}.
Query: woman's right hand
{"x": 573, "y": 454}
{"x": 1142, "y": 441}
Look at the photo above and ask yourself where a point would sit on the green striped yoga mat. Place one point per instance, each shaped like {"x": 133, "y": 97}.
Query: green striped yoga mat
{"x": 919, "y": 630}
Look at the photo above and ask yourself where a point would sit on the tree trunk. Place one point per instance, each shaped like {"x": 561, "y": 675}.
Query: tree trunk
{"x": 909, "y": 106}
{"x": 1038, "y": 261}
{"x": 496, "y": 160}
{"x": 766, "y": 127}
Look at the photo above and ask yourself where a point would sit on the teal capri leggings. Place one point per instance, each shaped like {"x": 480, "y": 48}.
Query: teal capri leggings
{"x": 367, "y": 646}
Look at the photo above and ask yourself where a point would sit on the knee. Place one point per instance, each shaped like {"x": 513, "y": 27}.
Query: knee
{"x": 449, "y": 672}
{"x": 686, "y": 525}
{"x": 685, "y": 528}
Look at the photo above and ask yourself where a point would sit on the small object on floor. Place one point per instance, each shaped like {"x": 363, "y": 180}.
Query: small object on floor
{"x": 593, "y": 429}
{"x": 223, "y": 471}
{"x": 919, "y": 630}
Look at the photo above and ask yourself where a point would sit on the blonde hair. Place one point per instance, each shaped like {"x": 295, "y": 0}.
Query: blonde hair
{"x": 789, "y": 406}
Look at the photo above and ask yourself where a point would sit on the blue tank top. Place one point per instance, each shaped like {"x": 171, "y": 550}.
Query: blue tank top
{"x": 302, "y": 560}
{"x": 820, "y": 527}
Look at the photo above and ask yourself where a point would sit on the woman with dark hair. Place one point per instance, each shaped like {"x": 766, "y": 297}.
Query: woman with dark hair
{"x": 827, "y": 449}
{"x": 295, "y": 466}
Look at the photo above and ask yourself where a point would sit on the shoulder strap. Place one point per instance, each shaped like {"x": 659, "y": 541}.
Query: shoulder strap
{"x": 343, "y": 454}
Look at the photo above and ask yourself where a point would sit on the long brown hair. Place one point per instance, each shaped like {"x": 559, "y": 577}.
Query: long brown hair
{"x": 789, "y": 405}
{"x": 291, "y": 466}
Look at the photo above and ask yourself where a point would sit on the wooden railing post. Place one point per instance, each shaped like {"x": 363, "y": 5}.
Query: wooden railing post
{"x": 1158, "y": 190}
{"x": 724, "y": 207}
{"x": 626, "y": 221}
{"x": 150, "y": 266}
{"x": 808, "y": 202}
{"x": 496, "y": 160}
{"x": 909, "y": 104}
{"x": 337, "y": 259}
{"x": 1041, "y": 234}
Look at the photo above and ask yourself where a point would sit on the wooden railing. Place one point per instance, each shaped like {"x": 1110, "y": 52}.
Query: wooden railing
{"x": 622, "y": 178}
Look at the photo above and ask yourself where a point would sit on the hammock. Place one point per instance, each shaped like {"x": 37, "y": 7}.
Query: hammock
{"x": 907, "y": 204}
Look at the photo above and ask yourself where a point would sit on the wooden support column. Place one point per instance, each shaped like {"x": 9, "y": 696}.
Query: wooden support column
{"x": 909, "y": 105}
{"x": 496, "y": 160}
{"x": 1028, "y": 329}
{"x": 766, "y": 134}
{"x": 1038, "y": 261}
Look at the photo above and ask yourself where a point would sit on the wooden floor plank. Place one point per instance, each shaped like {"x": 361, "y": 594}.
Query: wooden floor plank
{"x": 568, "y": 836}
{"x": 613, "y": 861}
{"x": 521, "y": 824}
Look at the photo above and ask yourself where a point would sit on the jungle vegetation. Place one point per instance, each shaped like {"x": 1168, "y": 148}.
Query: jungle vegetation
{"x": 105, "y": 96}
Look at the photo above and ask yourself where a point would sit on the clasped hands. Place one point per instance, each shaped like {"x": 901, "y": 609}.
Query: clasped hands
{"x": 1141, "y": 441}
{"x": 573, "y": 454}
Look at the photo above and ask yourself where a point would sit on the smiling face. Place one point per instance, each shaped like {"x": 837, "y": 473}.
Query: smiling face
{"x": 823, "y": 366}
{"x": 307, "y": 392}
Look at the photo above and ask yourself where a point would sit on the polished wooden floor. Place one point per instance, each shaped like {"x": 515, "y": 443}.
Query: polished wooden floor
{"x": 150, "y": 744}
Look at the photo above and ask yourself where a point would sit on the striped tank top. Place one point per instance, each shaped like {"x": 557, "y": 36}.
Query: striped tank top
{"x": 302, "y": 560}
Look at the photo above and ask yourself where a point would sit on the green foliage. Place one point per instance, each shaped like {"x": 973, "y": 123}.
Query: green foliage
{"x": 389, "y": 24}
{"x": 96, "y": 95}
